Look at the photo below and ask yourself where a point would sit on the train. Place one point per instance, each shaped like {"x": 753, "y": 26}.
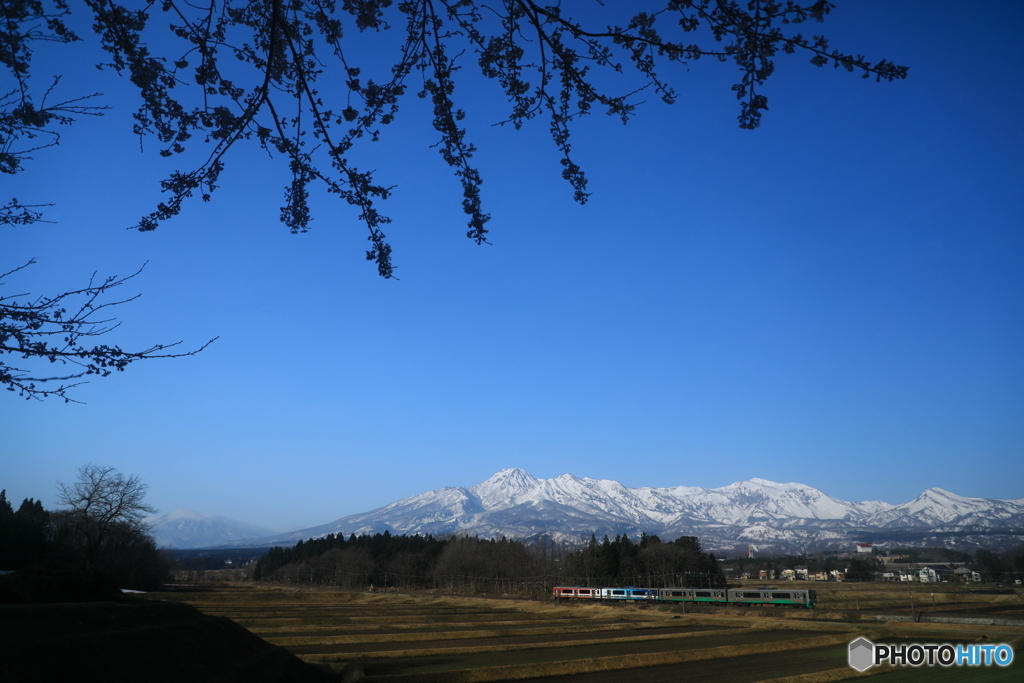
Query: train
{"x": 783, "y": 597}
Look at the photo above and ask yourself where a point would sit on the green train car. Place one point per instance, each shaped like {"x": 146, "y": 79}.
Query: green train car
{"x": 772, "y": 596}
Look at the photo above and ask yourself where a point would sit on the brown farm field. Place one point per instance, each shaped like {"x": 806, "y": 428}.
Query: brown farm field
{"x": 428, "y": 638}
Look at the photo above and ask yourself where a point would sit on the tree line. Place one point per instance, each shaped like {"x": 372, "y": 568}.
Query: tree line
{"x": 648, "y": 563}
{"x": 95, "y": 544}
{"x": 385, "y": 561}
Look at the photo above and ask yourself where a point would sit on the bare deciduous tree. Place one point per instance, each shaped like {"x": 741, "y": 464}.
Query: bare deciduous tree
{"x": 104, "y": 507}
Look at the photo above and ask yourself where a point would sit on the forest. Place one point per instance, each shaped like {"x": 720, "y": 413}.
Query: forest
{"x": 70, "y": 554}
{"x": 383, "y": 561}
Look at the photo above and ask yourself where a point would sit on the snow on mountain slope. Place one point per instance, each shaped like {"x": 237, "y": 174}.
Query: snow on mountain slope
{"x": 791, "y": 516}
{"x": 738, "y": 503}
{"x": 506, "y": 488}
{"x": 937, "y": 507}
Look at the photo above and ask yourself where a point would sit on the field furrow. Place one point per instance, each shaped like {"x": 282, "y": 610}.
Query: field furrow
{"x": 406, "y": 638}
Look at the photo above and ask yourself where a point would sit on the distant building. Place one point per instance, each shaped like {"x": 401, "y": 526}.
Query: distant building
{"x": 966, "y": 574}
{"x": 933, "y": 573}
{"x": 864, "y": 547}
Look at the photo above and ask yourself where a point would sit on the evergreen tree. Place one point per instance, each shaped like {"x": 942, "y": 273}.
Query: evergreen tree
{"x": 24, "y": 535}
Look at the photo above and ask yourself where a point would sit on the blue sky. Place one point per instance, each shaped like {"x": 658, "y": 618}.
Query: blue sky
{"x": 834, "y": 298}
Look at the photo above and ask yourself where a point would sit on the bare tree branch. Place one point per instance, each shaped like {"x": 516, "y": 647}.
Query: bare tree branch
{"x": 43, "y": 329}
{"x": 549, "y": 61}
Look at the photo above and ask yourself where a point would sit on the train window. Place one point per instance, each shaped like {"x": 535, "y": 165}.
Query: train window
{"x": 702, "y": 594}
{"x": 584, "y": 591}
{"x": 751, "y": 595}
{"x": 781, "y": 596}
{"x": 566, "y": 591}
{"x": 677, "y": 594}
{"x": 618, "y": 592}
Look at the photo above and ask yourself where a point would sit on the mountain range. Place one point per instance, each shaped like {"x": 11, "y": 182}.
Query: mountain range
{"x": 187, "y": 529}
{"x": 773, "y": 517}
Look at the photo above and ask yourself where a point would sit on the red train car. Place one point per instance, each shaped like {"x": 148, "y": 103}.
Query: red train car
{"x": 559, "y": 592}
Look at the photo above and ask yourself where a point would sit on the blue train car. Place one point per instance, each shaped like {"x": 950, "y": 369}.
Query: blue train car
{"x": 628, "y": 593}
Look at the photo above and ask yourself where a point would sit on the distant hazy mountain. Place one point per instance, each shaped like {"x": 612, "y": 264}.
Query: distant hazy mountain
{"x": 772, "y": 516}
{"x": 187, "y": 529}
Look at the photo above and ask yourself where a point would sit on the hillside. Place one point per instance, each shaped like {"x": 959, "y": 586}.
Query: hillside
{"x": 138, "y": 640}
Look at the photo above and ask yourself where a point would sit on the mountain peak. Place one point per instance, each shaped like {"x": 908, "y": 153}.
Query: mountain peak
{"x": 190, "y": 529}
{"x": 517, "y": 472}
{"x": 763, "y": 482}
{"x": 511, "y": 477}
{"x": 180, "y": 514}
{"x": 936, "y": 491}
{"x": 506, "y": 485}
{"x": 941, "y": 497}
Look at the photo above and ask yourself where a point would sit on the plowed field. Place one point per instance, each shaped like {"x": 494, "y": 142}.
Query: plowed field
{"x": 424, "y": 638}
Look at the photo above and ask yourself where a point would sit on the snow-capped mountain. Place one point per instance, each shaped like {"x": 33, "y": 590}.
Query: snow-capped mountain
{"x": 187, "y": 529}
{"x": 786, "y": 517}
{"x": 937, "y": 507}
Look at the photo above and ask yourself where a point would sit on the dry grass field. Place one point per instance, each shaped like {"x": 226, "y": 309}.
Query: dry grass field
{"x": 426, "y": 638}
